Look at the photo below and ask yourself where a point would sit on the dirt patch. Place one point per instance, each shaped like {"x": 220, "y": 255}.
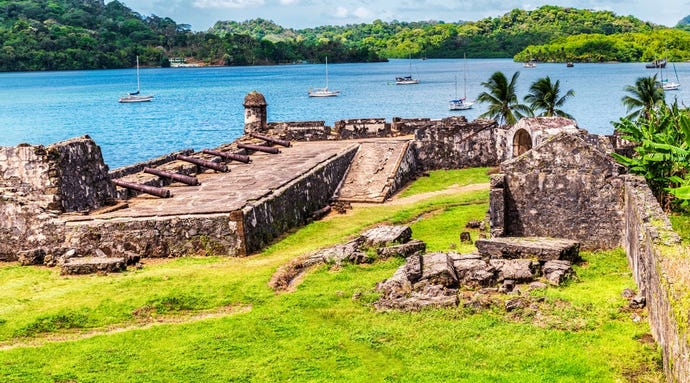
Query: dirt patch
{"x": 143, "y": 322}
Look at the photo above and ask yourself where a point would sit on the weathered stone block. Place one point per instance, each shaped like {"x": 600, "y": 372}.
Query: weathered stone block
{"x": 92, "y": 265}
{"x": 520, "y": 270}
{"x": 473, "y": 272}
{"x": 31, "y": 257}
{"x": 386, "y": 235}
{"x": 557, "y": 271}
{"x": 542, "y": 249}
{"x": 414, "y": 246}
{"x": 437, "y": 269}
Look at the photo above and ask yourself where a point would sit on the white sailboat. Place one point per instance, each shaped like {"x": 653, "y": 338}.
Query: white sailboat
{"x": 136, "y": 96}
{"x": 461, "y": 103}
{"x": 666, "y": 84}
{"x": 323, "y": 92}
{"x": 407, "y": 80}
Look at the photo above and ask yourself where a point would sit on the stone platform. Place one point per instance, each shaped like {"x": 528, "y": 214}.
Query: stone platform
{"x": 232, "y": 213}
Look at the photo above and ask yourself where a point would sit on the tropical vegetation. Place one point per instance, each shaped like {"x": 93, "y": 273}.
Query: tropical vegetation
{"x": 643, "y": 98}
{"x": 500, "y": 94}
{"x": 545, "y": 98}
{"x": 670, "y": 43}
{"x": 215, "y": 319}
{"x": 90, "y": 34}
{"x": 661, "y": 137}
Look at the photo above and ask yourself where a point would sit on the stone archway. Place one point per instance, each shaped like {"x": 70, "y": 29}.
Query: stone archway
{"x": 522, "y": 142}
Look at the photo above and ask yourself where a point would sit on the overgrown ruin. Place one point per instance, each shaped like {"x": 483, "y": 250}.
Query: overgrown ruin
{"x": 61, "y": 206}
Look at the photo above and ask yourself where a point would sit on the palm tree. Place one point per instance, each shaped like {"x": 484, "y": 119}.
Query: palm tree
{"x": 545, "y": 96}
{"x": 644, "y": 97}
{"x": 503, "y": 102}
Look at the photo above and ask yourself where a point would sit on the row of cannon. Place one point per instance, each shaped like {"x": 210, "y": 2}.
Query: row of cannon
{"x": 220, "y": 167}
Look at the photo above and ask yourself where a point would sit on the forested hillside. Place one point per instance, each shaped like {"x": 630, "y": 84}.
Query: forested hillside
{"x": 89, "y": 34}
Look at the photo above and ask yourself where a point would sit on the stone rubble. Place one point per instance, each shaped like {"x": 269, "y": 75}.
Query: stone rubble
{"x": 435, "y": 279}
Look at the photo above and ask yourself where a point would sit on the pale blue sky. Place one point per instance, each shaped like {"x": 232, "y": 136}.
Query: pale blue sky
{"x": 202, "y": 14}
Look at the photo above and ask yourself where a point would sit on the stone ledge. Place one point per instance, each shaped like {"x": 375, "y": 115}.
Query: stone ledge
{"x": 92, "y": 265}
{"x": 542, "y": 248}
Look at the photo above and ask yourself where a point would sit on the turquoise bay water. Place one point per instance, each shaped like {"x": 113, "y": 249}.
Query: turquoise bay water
{"x": 202, "y": 107}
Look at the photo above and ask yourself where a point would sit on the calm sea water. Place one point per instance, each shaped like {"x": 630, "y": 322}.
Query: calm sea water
{"x": 202, "y": 107}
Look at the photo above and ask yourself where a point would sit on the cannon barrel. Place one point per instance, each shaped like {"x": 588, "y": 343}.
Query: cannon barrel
{"x": 158, "y": 192}
{"x": 203, "y": 163}
{"x": 270, "y": 139}
{"x": 260, "y": 148}
{"x": 229, "y": 156}
{"x": 189, "y": 180}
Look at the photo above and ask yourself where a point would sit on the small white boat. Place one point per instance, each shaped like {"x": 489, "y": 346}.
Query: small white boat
{"x": 530, "y": 64}
{"x": 323, "y": 92}
{"x": 407, "y": 80}
{"x": 461, "y": 103}
{"x": 666, "y": 84}
{"x": 136, "y": 96}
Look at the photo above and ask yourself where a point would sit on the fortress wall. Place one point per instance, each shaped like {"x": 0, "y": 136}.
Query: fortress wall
{"x": 38, "y": 183}
{"x": 661, "y": 268}
{"x": 293, "y": 204}
{"x": 455, "y": 143}
{"x": 173, "y": 236}
{"x": 564, "y": 188}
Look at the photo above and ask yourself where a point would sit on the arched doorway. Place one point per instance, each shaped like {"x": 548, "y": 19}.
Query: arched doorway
{"x": 522, "y": 142}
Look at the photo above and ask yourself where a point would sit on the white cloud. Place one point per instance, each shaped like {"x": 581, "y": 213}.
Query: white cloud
{"x": 225, "y": 4}
{"x": 341, "y": 12}
{"x": 362, "y": 13}
{"x": 288, "y": 2}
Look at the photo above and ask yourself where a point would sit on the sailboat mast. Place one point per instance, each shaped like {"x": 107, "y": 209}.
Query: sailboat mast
{"x": 326, "y": 72}
{"x": 138, "y": 85}
{"x": 464, "y": 75}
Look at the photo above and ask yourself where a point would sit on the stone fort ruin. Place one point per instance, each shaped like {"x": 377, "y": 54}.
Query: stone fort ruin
{"x": 62, "y": 206}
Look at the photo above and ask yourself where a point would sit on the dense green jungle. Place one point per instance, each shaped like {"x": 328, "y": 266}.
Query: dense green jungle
{"x": 90, "y": 34}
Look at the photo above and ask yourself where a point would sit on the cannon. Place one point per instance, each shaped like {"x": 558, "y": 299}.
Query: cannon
{"x": 229, "y": 156}
{"x": 158, "y": 192}
{"x": 204, "y": 163}
{"x": 272, "y": 140}
{"x": 191, "y": 181}
{"x": 259, "y": 148}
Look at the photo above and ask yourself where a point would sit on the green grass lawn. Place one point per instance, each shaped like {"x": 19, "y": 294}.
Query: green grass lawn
{"x": 681, "y": 225}
{"x": 216, "y": 320}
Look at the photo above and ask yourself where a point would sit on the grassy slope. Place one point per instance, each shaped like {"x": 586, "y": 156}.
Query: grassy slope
{"x": 324, "y": 331}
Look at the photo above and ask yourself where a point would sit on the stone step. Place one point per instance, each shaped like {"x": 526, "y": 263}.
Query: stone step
{"x": 540, "y": 248}
{"x": 92, "y": 265}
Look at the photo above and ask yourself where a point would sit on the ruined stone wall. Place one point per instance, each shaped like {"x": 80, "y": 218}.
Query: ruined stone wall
{"x": 293, "y": 204}
{"x": 362, "y": 128}
{"x": 300, "y": 131}
{"x": 661, "y": 266}
{"x": 174, "y": 236}
{"x": 81, "y": 176}
{"x": 563, "y": 188}
{"x": 39, "y": 183}
{"x": 454, "y": 143}
{"x": 407, "y": 126}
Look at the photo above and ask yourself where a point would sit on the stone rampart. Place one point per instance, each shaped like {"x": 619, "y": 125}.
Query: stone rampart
{"x": 165, "y": 236}
{"x": 407, "y": 126}
{"x": 454, "y": 143}
{"x": 362, "y": 128}
{"x": 300, "y": 130}
{"x": 661, "y": 267}
{"x": 39, "y": 183}
{"x": 293, "y": 204}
